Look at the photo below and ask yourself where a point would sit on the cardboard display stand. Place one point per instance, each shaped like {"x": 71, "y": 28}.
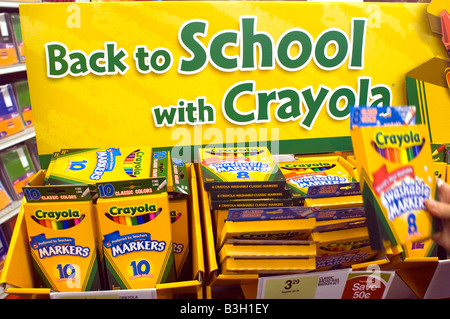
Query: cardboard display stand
{"x": 279, "y": 74}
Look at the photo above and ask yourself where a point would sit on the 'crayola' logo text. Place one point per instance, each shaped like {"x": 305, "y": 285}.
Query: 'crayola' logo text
{"x": 132, "y": 210}
{"x": 287, "y": 234}
{"x": 306, "y": 165}
{"x": 398, "y": 140}
{"x": 57, "y": 214}
{"x": 346, "y": 245}
{"x": 137, "y": 168}
{"x": 234, "y": 152}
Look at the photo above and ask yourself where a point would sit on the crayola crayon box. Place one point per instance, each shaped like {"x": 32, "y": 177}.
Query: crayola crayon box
{"x": 319, "y": 177}
{"x": 135, "y": 227}
{"x": 396, "y": 174}
{"x": 60, "y": 224}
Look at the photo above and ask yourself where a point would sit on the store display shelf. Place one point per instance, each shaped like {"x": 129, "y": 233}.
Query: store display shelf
{"x": 13, "y": 69}
{"x": 10, "y": 211}
{"x": 17, "y": 138}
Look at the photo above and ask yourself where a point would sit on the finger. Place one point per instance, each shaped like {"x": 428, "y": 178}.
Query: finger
{"x": 443, "y": 192}
{"x": 437, "y": 208}
{"x": 442, "y": 240}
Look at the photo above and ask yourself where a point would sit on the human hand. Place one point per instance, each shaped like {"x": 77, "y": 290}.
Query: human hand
{"x": 441, "y": 209}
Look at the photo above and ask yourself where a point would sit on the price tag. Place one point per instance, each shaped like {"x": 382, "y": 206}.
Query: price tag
{"x": 107, "y": 294}
{"x": 322, "y": 285}
{"x": 368, "y": 285}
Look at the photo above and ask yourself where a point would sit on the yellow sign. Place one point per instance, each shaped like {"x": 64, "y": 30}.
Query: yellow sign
{"x": 176, "y": 74}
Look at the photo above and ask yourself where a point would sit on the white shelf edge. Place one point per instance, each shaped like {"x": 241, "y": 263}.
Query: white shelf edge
{"x": 17, "y": 138}
{"x": 10, "y": 211}
{"x": 9, "y": 4}
{"x": 13, "y": 68}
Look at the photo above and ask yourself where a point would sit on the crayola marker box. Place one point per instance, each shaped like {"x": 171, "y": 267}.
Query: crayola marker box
{"x": 61, "y": 233}
{"x": 309, "y": 171}
{"x": 396, "y": 174}
{"x": 95, "y": 165}
{"x": 135, "y": 227}
{"x": 267, "y": 266}
{"x": 247, "y": 203}
{"x": 174, "y": 170}
{"x": 342, "y": 248}
{"x": 240, "y": 169}
{"x": 179, "y": 219}
{"x": 295, "y": 229}
{"x": 267, "y": 249}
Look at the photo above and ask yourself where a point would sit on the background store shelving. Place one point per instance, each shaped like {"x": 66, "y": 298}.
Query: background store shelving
{"x": 10, "y": 74}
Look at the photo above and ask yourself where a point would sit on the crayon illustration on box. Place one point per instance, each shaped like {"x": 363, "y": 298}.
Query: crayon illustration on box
{"x": 396, "y": 174}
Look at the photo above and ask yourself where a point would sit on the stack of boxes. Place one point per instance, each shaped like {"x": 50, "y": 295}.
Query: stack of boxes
{"x": 103, "y": 219}
{"x": 322, "y": 227}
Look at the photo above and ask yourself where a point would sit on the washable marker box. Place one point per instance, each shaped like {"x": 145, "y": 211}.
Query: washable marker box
{"x": 342, "y": 248}
{"x": 265, "y": 213}
{"x": 61, "y": 234}
{"x": 267, "y": 249}
{"x": 309, "y": 171}
{"x": 219, "y": 196}
{"x": 335, "y": 202}
{"x": 295, "y": 229}
{"x": 96, "y": 165}
{"x": 247, "y": 203}
{"x": 267, "y": 266}
{"x": 240, "y": 169}
{"x": 396, "y": 176}
{"x": 135, "y": 226}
